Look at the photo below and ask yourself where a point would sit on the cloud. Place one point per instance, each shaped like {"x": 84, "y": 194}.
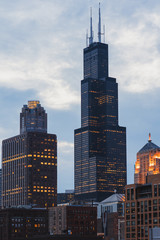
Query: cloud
{"x": 137, "y": 50}
{"x": 65, "y": 147}
{"x": 35, "y": 52}
{"x": 41, "y": 47}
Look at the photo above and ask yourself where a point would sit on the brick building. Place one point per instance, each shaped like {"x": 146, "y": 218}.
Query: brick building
{"x": 73, "y": 220}
{"x": 22, "y": 223}
{"x": 142, "y": 208}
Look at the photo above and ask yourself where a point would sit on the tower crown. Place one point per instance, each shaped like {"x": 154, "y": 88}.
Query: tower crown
{"x": 33, "y": 118}
{"x": 33, "y": 104}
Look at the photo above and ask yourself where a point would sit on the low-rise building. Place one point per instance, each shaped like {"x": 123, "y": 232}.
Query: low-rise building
{"x": 23, "y": 223}
{"x": 142, "y": 208}
{"x": 112, "y": 211}
{"x": 73, "y": 220}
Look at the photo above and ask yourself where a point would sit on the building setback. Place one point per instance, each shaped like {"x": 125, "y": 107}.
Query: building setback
{"x": 100, "y": 143}
{"x": 29, "y": 168}
{"x": 142, "y": 208}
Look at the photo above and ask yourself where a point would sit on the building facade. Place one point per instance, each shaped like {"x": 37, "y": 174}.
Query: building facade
{"x": 66, "y": 197}
{"x": 100, "y": 143}
{"x": 148, "y": 162}
{"x": 29, "y": 170}
{"x": 21, "y": 223}
{"x": 142, "y": 208}
{"x": 73, "y": 220}
{"x": 33, "y": 118}
{"x": 112, "y": 217}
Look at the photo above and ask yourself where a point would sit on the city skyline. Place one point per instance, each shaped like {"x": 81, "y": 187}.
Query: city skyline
{"x": 41, "y": 58}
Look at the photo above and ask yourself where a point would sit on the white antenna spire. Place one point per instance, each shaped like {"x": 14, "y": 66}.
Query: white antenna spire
{"x": 99, "y": 25}
{"x": 91, "y": 31}
{"x": 87, "y": 38}
{"x": 104, "y": 34}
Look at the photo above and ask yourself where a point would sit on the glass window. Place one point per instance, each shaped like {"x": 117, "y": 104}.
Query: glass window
{"x": 128, "y": 194}
{"x": 133, "y": 204}
{"x": 155, "y": 190}
{"x": 132, "y": 194}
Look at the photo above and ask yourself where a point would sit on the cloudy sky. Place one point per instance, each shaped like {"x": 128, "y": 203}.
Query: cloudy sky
{"x": 41, "y": 45}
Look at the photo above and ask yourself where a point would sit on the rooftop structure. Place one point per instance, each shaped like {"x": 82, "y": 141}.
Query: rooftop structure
{"x": 148, "y": 162}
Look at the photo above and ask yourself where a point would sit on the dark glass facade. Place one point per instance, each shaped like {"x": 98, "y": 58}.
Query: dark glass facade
{"x": 29, "y": 162}
{"x": 100, "y": 143}
{"x": 33, "y": 118}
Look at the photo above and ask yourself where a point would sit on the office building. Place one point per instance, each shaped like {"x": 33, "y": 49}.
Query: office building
{"x": 23, "y": 223}
{"x": 148, "y": 162}
{"x": 100, "y": 143}
{"x": 29, "y": 166}
{"x": 66, "y": 197}
{"x": 142, "y": 208}
{"x": 73, "y": 220}
{"x": 112, "y": 217}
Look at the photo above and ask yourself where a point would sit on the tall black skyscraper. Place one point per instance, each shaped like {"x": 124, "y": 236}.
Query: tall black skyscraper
{"x": 100, "y": 143}
{"x": 29, "y": 162}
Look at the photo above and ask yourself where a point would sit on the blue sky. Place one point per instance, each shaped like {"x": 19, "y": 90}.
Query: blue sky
{"x": 41, "y": 46}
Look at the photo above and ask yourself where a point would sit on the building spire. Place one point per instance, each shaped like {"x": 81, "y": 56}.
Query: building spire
{"x": 99, "y": 25}
{"x": 149, "y": 140}
{"x": 91, "y": 31}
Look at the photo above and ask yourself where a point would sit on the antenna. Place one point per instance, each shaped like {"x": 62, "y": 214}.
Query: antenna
{"x": 99, "y": 25}
{"x": 87, "y": 38}
{"x": 104, "y": 34}
{"x": 91, "y": 31}
{"x": 149, "y": 138}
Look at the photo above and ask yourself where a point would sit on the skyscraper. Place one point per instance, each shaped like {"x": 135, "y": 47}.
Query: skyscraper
{"x": 29, "y": 162}
{"x": 148, "y": 162}
{"x": 100, "y": 143}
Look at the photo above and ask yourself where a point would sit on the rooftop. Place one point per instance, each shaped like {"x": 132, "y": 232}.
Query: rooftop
{"x": 114, "y": 198}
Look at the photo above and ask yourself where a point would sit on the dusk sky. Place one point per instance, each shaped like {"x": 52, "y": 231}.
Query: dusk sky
{"x": 41, "y": 58}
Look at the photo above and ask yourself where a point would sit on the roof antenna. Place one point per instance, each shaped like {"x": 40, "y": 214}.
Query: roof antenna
{"x": 99, "y": 25}
{"x": 91, "y": 31}
{"x": 87, "y": 38}
{"x": 104, "y": 34}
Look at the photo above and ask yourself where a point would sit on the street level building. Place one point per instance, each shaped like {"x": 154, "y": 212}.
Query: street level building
{"x": 142, "y": 208}
{"x": 29, "y": 166}
{"x": 112, "y": 217}
{"x": 23, "y": 223}
{"x": 148, "y": 162}
{"x": 73, "y": 220}
{"x": 100, "y": 143}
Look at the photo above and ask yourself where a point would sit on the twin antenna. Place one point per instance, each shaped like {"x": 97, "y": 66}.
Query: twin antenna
{"x": 91, "y": 30}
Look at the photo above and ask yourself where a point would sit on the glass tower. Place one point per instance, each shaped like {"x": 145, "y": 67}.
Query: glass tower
{"x": 29, "y": 162}
{"x": 100, "y": 143}
{"x": 33, "y": 118}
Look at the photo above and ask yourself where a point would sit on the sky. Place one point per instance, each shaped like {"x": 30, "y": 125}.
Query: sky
{"x": 41, "y": 58}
